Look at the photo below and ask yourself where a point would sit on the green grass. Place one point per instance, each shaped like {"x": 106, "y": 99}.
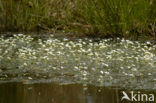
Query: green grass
{"x": 108, "y": 18}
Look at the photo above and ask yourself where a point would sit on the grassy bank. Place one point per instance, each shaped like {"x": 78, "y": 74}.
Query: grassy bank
{"x": 109, "y": 18}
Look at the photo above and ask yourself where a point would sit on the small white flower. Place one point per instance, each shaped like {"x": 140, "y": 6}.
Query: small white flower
{"x": 25, "y": 64}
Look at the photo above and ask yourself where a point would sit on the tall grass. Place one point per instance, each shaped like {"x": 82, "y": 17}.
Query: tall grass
{"x": 29, "y": 15}
{"x": 128, "y": 18}
{"x": 119, "y": 17}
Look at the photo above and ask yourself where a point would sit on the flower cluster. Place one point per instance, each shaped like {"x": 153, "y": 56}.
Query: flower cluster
{"x": 109, "y": 62}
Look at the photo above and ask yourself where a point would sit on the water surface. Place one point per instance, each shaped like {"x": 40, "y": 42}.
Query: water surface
{"x": 55, "y": 93}
{"x": 56, "y": 70}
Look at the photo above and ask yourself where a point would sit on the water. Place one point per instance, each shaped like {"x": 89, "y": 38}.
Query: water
{"x": 105, "y": 62}
{"x": 55, "y": 93}
{"x": 55, "y": 70}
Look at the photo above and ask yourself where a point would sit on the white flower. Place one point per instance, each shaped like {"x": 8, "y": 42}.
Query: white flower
{"x": 101, "y": 72}
{"x": 107, "y": 73}
{"x": 25, "y": 64}
{"x": 148, "y": 42}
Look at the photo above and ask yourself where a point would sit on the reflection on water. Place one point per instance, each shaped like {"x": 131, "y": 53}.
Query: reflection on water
{"x": 55, "y": 93}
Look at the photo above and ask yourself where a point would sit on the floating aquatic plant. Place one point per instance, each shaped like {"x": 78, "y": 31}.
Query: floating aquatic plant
{"x": 119, "y": 63}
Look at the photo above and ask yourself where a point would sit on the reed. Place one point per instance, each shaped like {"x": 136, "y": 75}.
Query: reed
{"x": 112, "y": 18}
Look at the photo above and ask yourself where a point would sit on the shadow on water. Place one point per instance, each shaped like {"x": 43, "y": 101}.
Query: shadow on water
{"x": 55, "y": 93}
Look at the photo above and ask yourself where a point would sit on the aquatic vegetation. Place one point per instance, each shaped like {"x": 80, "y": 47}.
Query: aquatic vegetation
{"x": 106, "y": 62}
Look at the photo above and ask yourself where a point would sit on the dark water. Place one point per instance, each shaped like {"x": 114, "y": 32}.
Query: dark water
{"x": 55, "y": 93}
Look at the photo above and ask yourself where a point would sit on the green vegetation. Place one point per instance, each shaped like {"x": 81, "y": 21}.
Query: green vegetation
{"x": 108, "y": 18}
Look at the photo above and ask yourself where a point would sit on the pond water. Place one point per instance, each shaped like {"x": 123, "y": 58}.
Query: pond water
{"x": 58, "y": 70}
{"x": 54, "y": 93}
